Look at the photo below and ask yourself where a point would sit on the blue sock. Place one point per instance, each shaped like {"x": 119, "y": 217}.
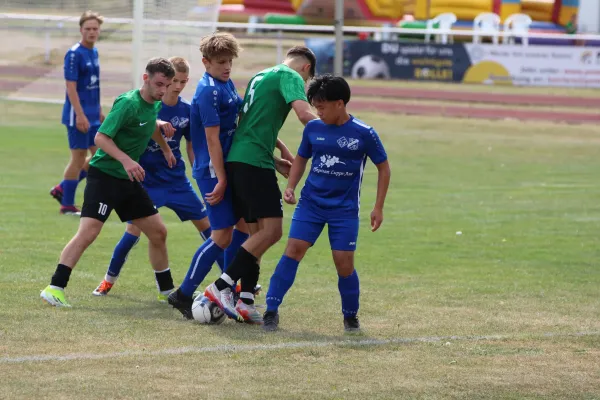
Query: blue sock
{"x": 237, "y": 240}
{"x": 202, "y": 262}
{"x": 281, "y": 281}
{"x": 205, "y": 234}
{"x": 349, "y": 291}
{"x": 82, "y": 175}
{"x": 120, "y": 254}
{"x": 69, "y": 187}
{"x": 220, "y": 260}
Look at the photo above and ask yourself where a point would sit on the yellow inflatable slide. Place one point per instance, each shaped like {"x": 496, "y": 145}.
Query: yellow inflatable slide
{"x": 393, "y": 9}
{"x": 465, "y": 10}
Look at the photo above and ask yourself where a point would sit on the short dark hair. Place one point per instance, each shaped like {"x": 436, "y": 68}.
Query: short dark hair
{"x": 328, "y": 88}
{"x": 160, "y": 65}
{"x": 303, "y": 51}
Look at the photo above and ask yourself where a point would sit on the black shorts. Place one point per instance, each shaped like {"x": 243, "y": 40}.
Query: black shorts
{"x": 254, "y": 191}
{"x": 104, "y": 193}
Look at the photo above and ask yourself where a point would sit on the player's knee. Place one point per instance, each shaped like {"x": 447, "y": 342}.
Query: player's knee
{"x": 133, "y": 230}
{"x": 294, "y": 251}
{"x": 86, "y": 237}
{"x": 78, "y": 157}
{"x": 345, "y": 271}
{"x": 274, "y": 234}
{"x": 158, "y": 236}
{"x": 222, "y": 237}
{"x": 343, "y": 264}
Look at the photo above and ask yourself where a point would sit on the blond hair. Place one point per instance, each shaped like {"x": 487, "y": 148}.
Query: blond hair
{"x": 180, "y": 64}
{"x": 90, "y": 15}
{"x": 219, "y": 44}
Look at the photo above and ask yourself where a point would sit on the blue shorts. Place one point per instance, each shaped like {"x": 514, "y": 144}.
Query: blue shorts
{"x": 308, "y": 223}
{"x": 79, "y": 140}
{"x": 182, "y": 199}
{"x": 221, "y": 215}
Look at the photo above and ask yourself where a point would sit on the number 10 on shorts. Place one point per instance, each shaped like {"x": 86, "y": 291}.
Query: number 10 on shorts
{"x": 102, "y": 208}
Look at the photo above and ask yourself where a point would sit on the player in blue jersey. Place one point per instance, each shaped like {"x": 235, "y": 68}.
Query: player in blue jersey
{"x": 214, "y": 115}
{"x": 213, "y": 121}
{"x": 82, "y": 112}
{"x": 165, "y": 180}
{"x": 339, "y": 145}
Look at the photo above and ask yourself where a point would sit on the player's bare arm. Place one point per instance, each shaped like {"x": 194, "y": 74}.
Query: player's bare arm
{"x": 166, "y": 128}
{"x": 303, "y": 111}
{"x": 216, "y": 156}
{"x": 166, "y": 149}
{"x": 282, "y": 166}
{"x": 81, "y": 121}
{"x": 286, "y": 154}
{"x": 383, "y": 183}
{"x": 296, "y": 173}
{"x": 133, "y": 169}
{"x": 190, "y": 152}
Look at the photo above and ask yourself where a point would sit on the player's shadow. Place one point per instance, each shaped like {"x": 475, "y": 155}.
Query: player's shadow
{"x": 132, "y": 307}
{"x": 254, "y": 333}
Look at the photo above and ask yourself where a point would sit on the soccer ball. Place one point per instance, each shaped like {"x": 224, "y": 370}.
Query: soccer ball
{"x": 205, "y": 311}
{"x": 370, "y": 67}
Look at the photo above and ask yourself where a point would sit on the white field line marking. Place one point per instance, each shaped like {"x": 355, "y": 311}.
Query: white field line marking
{"x": 280, "y": 346}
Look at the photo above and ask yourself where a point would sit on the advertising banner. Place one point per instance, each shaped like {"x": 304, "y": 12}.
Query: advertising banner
{"x": 464, "y": 62}
{"x": 411, "y": 61}
{"x": 533, "y": 65}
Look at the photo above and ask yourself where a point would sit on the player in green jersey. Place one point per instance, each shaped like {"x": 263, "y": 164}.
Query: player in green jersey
{"x": 270, "y": 96}
{"x": 114, "y": 177}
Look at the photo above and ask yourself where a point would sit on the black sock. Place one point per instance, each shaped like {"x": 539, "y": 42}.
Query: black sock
{"x": 249, "y": 282}
{"x": 164, "y": 280}
{"x": 61, "y": 276}
{"x": 242, "y": 262}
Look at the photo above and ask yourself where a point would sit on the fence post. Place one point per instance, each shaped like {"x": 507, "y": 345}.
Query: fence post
{"x": 279, "y": 47}
{"x": 47, "y": 44}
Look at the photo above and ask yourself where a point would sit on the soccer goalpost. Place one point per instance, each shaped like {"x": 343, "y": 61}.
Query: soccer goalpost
{"x": 41, "y": 31}
{"x": 157, "y": 30}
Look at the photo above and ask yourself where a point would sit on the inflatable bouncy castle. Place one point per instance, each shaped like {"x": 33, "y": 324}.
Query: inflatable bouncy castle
{"x": 548, "y": 15}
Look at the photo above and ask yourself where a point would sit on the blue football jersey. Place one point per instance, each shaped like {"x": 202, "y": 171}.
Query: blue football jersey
{"x": 158, "y": 173}
{"x": 214, "y": 103}
{"x": 339, "y": 155}
{"x": 82, "y": 66}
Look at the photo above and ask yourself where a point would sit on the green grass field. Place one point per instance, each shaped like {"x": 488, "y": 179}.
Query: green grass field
{"x": 510, "y": 309}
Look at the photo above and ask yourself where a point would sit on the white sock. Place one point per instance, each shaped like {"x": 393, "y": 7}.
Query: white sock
{"x": 110, "y": 278}
{"x": 247, "y": 295}
{"x": 227, "y": 279}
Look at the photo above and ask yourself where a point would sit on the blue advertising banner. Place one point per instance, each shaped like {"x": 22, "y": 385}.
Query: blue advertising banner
{"x": 394, "y": 60}
{"x": 411, "y": 61}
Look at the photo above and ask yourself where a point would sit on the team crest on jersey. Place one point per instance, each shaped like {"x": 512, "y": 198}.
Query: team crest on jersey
{"x": 353, "y": 144}
{"x": 179, "y": 122}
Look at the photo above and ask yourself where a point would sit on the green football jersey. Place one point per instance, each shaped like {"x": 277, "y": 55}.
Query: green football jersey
{"x": 267, "y": 104}
{"x": 130, "y": 124}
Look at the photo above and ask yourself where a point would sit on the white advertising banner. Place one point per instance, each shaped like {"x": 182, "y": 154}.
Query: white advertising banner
{"x": 533, "y": 65}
